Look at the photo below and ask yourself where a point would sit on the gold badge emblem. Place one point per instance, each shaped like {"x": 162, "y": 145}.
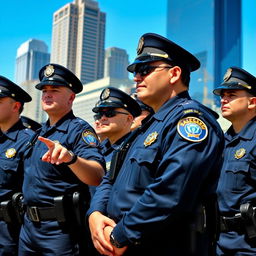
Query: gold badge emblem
{"x": 140, "y": 45}
{"x": 240, "y": 153}
{"x": 227, "y": 74}
{"x": 105, "y": 94}
{"x": 10, "y": 152}
{"x": 150, "y": 139}
{"x": 49, "y": 70}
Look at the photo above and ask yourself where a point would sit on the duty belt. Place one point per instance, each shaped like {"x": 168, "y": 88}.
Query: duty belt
{"x": 37, "y": 214}
{"x": 234, "y": 223}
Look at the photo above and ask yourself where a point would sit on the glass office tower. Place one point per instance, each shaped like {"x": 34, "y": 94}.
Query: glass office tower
{"x": 211, "y": 30}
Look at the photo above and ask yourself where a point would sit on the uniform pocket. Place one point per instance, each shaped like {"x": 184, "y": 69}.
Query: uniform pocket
{"x": 143, "y": 163}
{"x": 237, "y": 175}
{"x": 9, "y": 171}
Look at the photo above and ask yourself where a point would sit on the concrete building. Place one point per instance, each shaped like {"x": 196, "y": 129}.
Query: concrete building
{"x": 78, "y": 39}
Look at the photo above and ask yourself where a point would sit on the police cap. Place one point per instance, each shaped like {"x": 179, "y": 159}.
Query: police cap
{"x": 237, "y": 79}
{"x": 10, "y": 89}
{"x": 153, "y": 47}
{"x": 57, "y": 75}
{"x": 30, "y": 123}
{"x": 112, "y": 97}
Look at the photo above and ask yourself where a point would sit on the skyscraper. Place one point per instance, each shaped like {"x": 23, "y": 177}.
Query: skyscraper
{"x": 31, "y": 56}
{"x": 211, "y": 27}
{"x": 116, "y": 62}
{"x": 78, "y": 39}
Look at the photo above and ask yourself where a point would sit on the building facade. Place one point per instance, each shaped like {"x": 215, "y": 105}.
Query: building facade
{"x": 116, "y": 62}
{"x": 78, "y": 39}
{"x": 31, "y": 56}
{"x": 211, "y": 30}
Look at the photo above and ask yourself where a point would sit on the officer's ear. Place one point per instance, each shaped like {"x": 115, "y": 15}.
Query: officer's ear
{"x": 175, "y": 74}
{"x": 16, "y": 106}
{"x": 252, "y": 103}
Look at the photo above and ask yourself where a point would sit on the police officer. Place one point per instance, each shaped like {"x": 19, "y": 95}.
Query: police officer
{"x": 145, "y": 111}
{"x": 30, "y": 123}
{"x": 236, "y": 188}
{"x": 13, "y": 138}
{"x": 58, "y": 166}
{"x": 170, "y": 170}
{"x": 114, "y": 116}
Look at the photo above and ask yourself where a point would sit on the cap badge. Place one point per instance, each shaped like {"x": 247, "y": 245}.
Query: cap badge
{"x": 140, "y": 45}
{"x": 105, "y": 94}
{"x": 192, "y": 129}
{"x": 49, "y": 70}
{"x": 90, "y": 138}
{"x": 240, "y": 153}
{"x": 227, "y": 74}
{"x": 10, "y": 152}
{"x": 150, "y": 139}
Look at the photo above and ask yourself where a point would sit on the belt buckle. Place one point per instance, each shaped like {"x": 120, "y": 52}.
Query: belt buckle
{"x": 33, "y": 214}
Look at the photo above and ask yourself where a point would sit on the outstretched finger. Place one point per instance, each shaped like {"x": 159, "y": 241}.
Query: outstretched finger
{"x": 49, "y": 143}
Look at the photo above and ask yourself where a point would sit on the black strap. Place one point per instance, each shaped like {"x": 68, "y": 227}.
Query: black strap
{"x": 234, "y": 223}
{"x": 37, "y": 214}
{"x": 119, "y": 154}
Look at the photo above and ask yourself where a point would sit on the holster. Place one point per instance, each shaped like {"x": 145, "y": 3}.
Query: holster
{"x": 205, "y": 224}
{"x": 248, "y": 217}
{"x": 11, "y": 211}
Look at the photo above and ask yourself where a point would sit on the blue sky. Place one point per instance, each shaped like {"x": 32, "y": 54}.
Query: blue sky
{"x": 21, "y": 20}
{"x": 127, "y": 20}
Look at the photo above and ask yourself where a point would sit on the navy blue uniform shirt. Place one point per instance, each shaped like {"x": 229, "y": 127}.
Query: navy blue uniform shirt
{"x": 237, "y": 184}
{"x": 166, "y": 174}
{"x": 46, "y": 181}
{"x": 12, "y": 147}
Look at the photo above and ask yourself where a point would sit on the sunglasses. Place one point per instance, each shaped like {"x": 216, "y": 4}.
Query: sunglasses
{"x": 108, "y": 113}
{"x": 146, "y": 69}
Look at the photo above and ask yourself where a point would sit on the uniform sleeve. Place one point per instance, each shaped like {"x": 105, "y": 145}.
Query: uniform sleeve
{"x": 84, "y": 143}
{"x": 182, "y": 167}
{"x": 101, "y": 196}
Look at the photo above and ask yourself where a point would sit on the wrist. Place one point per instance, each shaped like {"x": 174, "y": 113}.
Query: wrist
{"x": 73, "y": 159}
{"x": 114, "y": 242}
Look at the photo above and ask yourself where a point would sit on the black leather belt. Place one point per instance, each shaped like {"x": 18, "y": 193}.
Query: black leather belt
{"x": 234, "y": 223}
{"x": 37, "y": 214}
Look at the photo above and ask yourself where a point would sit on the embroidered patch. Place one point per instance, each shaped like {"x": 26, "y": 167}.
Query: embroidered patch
{"x": 240, "y": 153}
{"x": 11, "y": 152}
{"x": 150, "y": 139}
{"x": 189, "y": 111}
{"x": 90, "y": 138}
{"x": 192, "y": 129}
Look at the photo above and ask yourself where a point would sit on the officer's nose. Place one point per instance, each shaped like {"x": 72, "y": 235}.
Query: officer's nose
{"x": 137, "y": 77}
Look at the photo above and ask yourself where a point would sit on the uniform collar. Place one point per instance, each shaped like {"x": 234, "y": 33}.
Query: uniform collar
{"x": 12, "y": 133}
{"x": 107, "y": 147}
{"x": 62, "y": 124}
{"x": 170, "y": 105}
{"x": 247, "y": 133}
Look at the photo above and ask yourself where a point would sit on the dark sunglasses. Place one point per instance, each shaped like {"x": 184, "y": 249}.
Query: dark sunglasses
{"x": 146, "y": 69}
{"x": 107, "y": 113}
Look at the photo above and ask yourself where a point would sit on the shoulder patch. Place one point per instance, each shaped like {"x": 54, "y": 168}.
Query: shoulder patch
{"x": 189, "y": 111}
{"x": 192, "y": 129}
{"x": 90, "y": 138}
